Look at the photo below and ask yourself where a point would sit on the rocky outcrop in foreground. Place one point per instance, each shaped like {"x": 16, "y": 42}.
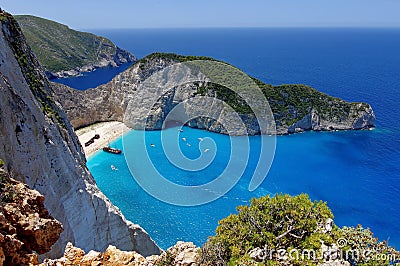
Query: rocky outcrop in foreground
{"x": 295, "y": 108}
{"x": 26, "y": 228}
{"x": 39, "y": 148}
{"x": 64, "y": 52}
{"x": 182, "y": 254}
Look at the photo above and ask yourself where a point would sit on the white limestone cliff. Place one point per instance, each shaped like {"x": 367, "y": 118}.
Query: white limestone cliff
{"x": 40, "y": 148}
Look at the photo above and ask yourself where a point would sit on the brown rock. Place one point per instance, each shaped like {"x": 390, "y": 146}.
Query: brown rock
{"x": 111, "y": 257}
{"x": 92, "y": 258}
{"x": 181, "y": 254}
{"x": 2, "y": 256}
{"x": 26, "y": 229}
{"x": 73, "y": 254}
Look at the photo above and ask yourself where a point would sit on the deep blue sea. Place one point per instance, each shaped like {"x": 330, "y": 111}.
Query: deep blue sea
{"x": 93, "y": 79}
{"x": 356, "y": 172}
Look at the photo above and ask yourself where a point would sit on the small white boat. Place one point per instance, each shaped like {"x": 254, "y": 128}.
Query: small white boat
{"x": 152, "y": 145}
{"x": 206, "y": 150}
{"x": 188, "y": 144}
{"x": 184, "y": 139}
{"x": 200, "y": 139}
{"x": 180, "y": 130}
{"x": 113, "y": 168}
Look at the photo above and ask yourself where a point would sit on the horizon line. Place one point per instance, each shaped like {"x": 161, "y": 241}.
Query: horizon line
{"x": 242, "y": 27}
{"x": 323, "y": 26}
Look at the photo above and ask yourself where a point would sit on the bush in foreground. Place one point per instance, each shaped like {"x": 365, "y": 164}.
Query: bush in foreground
{"x": 286, "y": 230}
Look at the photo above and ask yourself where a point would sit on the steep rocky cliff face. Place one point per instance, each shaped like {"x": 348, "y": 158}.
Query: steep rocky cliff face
{"x": 40, "y": 148}
{"x": 107, "y": 102}
{"x": 64, "y": 52}
{"x": 295, "y": 108}
{"x": 26, "y": 228}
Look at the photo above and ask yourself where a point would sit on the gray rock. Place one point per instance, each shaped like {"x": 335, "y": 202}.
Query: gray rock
{"x": 301, "y": 125}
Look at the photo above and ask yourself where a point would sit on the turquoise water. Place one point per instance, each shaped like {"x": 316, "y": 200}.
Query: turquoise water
{"x": 319, "y": 164}
{"x": 357, "y": 173}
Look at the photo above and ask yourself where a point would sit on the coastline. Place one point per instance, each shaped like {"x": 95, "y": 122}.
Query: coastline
{"x": 108, "y": 131}
{"x": 81, "y": 71}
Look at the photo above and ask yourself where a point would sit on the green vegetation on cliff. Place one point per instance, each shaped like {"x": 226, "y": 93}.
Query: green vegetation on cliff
{"x": 289, "y": 102}
{"x": 277, "y": 230}
{"x": 58, "y": 47}
{"x": 7, "y": 192}
{"x": 174, "y": 57}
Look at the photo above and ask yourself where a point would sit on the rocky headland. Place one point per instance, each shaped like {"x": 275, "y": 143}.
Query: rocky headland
{"x": 296, "y": 108}
{"x": 64, "y": 52}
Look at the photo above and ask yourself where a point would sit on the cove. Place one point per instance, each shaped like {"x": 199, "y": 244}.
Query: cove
{"x": 341, "y": 168}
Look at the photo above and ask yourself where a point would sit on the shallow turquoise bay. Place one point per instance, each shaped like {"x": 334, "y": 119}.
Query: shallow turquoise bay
{"x": 338, "y": 167}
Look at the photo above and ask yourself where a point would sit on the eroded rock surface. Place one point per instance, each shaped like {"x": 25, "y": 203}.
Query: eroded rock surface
{"x": 26, "y": 228}
{"x": 40, "y": 148}
{"x": 181, "y": 254}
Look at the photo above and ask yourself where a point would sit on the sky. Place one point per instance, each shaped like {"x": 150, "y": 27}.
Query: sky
{"x": 102, "y": 14}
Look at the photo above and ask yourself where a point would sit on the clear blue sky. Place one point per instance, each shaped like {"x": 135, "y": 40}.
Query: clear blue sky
{"x": 90, "y": 14}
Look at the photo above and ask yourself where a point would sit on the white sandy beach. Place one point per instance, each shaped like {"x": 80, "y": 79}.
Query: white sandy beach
{"x": 108, "y": 132}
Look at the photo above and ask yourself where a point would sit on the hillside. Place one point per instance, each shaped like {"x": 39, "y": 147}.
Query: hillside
{"x": 66, "y": 52}
{"x": 295, "y": 108}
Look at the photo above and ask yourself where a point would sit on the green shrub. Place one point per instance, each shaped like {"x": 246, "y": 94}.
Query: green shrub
{"x": 282, "y": 224}
{"x": 166, "y": 259}
{"x": 363, "y": 248}
{"x": 279, "y": 222}
{"x": 7, "y": 191}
